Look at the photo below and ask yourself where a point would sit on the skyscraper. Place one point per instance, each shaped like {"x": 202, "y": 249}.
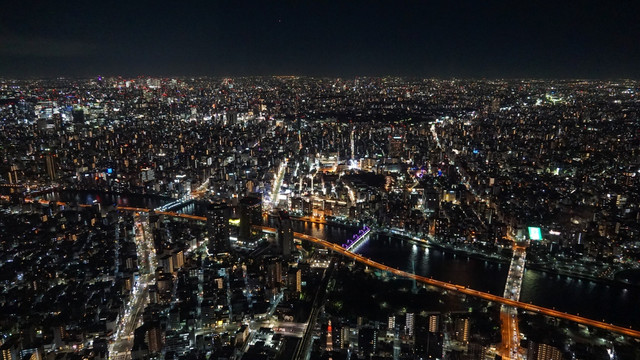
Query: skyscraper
{"x": 274, "y": 273}
{"x": 431, "y": 200}
{"x": 9, "y": 349}
{"x": 391, "y": 323}
{"x": 285, "y": 234}
{"x": 409, "y": 323}
{"x": 250, "y": 214}
{"x": 294, "y": 280}
{"x": 462, "y": 330}
{"x": 218, "y": 228}
{"x": 155, "y": 338}
{"x": 50, "y": 162}
{"x": 368, "y": 340}
{"x": 434, "y": 323}
{"x": 428, "y": 344}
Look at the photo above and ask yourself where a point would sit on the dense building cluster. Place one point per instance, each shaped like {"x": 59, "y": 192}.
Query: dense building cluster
{"x": 462, "y": 165}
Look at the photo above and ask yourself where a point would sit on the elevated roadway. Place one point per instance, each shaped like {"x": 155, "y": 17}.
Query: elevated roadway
{"x": 509, "y": 315}
{"x": 437, "y": 283}
{"x": 465, "y": 290}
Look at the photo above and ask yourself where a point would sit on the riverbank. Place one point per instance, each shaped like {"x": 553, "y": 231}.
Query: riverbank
{"x": 506, "y": 260}
{"x": 107, "y": 192}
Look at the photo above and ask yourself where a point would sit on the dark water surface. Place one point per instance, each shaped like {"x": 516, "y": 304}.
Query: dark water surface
{"x": 612, "y": 303}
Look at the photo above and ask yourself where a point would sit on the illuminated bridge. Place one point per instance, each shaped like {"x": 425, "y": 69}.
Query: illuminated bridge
{"x": 358, "y": 239}
{"x": 429, "y": 281}
{"x": 510, "y": 331}
{"x": 47, "y": 202}
{"x": 463, "y": 289}
{"x": 179, "y": 202}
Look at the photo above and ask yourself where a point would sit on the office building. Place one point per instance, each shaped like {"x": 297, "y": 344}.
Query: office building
{"x": 409, "y": 324}
{"x": 50, "y": 162}
{"x": 368, "y": 341}
{"x": 285, "y": 234}
{"x": 218, "y": 228}
{"x": 462, "y": 330}
{"x": 250, "y": 214}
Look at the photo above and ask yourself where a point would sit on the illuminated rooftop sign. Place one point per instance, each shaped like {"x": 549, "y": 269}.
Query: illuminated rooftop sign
{"x": 535, "y": 233}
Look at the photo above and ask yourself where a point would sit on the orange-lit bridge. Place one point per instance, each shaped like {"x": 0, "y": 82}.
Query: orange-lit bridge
{"x": 441, "y": 284}
{"x": 463, "y": 289}
{"x": 47, "y": 202}
{"x": 437, "y": 283}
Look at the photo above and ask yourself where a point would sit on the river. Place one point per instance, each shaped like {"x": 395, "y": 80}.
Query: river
{"x": 613, "y": 303}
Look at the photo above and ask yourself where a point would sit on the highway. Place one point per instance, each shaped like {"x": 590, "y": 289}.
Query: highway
{"x": 465, "y": 290}
{"x": 509, "y": 315}
{"x": 123, "y": 338}
{"x": 437, "y": 283}
{"x": 277, "y": 184}
{"x": 441, "y": 284}
{"x": 304, "y": 347}
{"x": 47, "y": 202}
{"x": 510, "y": 333}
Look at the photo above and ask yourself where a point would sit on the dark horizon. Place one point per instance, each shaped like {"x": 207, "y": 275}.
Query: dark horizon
{"x": 488, "y": 40}
{"x": 342, "y": 77}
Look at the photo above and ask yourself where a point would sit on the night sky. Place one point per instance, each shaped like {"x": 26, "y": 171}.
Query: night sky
{"x": 474, "y": 39}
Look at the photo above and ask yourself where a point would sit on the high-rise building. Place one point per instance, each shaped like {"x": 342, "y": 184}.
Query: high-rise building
{"x": 434, "y": 323}
{"x": 368, "y": 340}
{"x": 218, "y": 228}
{"x": 344, "y": 337}
{"x": 409, "y": 323}
{"x": 78, "y": 116}
{"x": 431, "y": 200}
{"x": 391, "y": 323}
{"x": 294, "y": 280}
{"x": 274, "y": 273}
{"x": 31, "y": 354}
{"x": 250, "y": 214}
{"x": 177, "y": 258}
{"x": 9, "y": 350}
{"x": 166, "y": 263}
{"x": 285, "y": 234}
{"x": 155, "y": 338}
{"x": 232, "y": 117}
{"x": 476, "y": 351}
{"x": 547, "y": 352}
{"x": 13, "y": 174}
{"x": 462, "y": 330}
{"x": 427, "y": 344}
{"x": 336, "y": 336}
{"x": 50, "y": 162}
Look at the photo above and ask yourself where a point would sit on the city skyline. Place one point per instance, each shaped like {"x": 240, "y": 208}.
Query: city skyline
{"x": 319, "y": 180}
{"x": 288, "y": 217}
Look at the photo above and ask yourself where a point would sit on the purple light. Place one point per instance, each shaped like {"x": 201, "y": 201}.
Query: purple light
{"x": 356, "y": 237}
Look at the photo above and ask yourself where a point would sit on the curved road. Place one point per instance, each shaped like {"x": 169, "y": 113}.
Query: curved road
{"x": 441, "y": 284}
{"x": 465, "y": 290}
